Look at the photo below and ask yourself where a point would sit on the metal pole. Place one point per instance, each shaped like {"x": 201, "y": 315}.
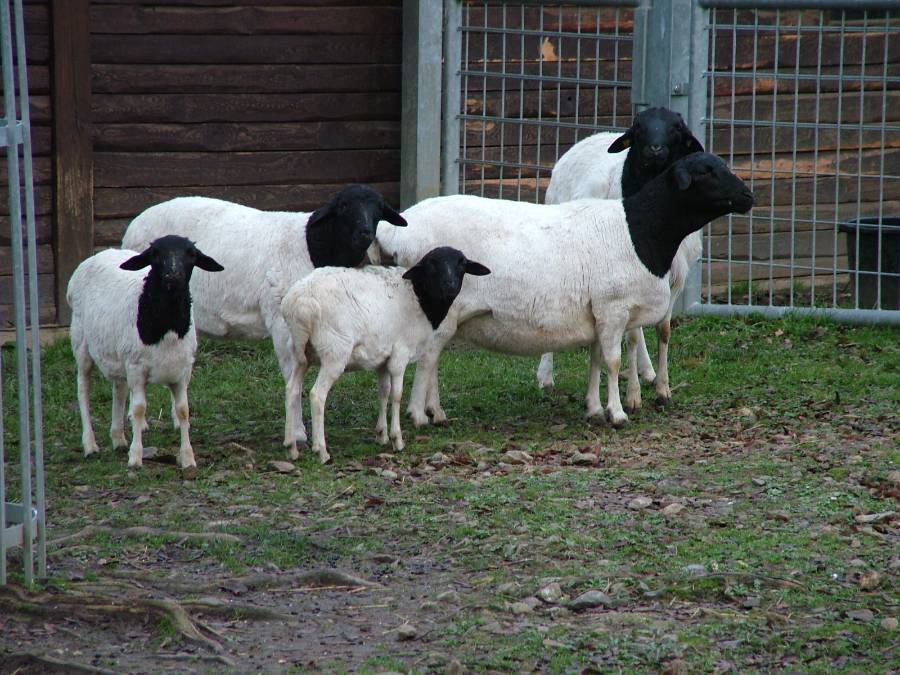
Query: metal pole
{"x": 37, "y": 402}
{"x": 2, "y": 485}
{"x": 451, "y": 97}
{"x": 15, "y": 219}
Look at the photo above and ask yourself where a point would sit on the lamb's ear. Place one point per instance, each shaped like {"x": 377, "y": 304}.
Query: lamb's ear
{"x": 138, "y": 262}
{"x": 623, "y": 142}
{"x": 691, "y": 143}
{"x": 320, "y": 214}
{"x": 412, "y": 273}
{"x": 204, "y": 262}
{"x": 476, "y": 268}
{"x": 394, "y": 218}
{"x": 683, "y": 177}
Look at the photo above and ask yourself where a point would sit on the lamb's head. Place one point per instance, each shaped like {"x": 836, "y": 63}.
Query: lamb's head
{"x": 657, "y": 138}
{"x": 708, "y": 186}
{"x": 339, "y": 233}
{"x": 437, "y": 279}
{"x": 172, "y": 259}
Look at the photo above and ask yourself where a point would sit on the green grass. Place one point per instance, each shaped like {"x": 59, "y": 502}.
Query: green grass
{"x": 782, "y": 432}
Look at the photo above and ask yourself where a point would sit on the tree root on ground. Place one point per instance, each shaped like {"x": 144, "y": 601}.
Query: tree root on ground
{"x": 16, "y": 662}
{"x": 141, "y": 531}
{"x": 215, "y": 658}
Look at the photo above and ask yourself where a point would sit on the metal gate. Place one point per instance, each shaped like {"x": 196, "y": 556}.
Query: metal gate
{"x": 801, "y": 97}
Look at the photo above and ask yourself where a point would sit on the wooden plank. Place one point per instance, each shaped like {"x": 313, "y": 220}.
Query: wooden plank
{"x": 74, "y": 232}
{"x": 229, "y": 137}
{"x": 243, "y": 20}
{"x": 45, "y": 289}
{"x": 243, "y": 168}
{"x": 46, "y": 315}
{"x": 43, "y": 201}
{"x": 225, "y": 78}
{"x": 38, "y": 108}
{"x": 43, "y": 226}
{"x": 229, "y": 49}
{"x": 44, "y": 259}
{"x": 42, "y": 171}
{"x": 126, "y": 203}
{"x": 197, "y": 108}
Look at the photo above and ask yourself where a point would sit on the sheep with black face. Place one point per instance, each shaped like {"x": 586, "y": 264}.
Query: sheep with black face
{"x": 264, "y": 251}
{"x": 596, "y": 168}
{"x": 137, "y": 327}
{"x": 373, "y": 318}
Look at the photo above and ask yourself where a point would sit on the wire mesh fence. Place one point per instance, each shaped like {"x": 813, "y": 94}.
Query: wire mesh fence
{"x": 803, "y": 104}
{"x": 535, "y": 79}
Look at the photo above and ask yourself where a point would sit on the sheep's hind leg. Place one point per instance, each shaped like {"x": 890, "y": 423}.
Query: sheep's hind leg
{"x": 284, "y": 351}
{"x": 663, "y": 332}
{"x": 328, "y": 373}
{"x": 644, "y": 363}
{"x": 182, "y": 413}
{"x": 633, "y": 391}
{"x": 396, "y": 394}
{"x": 292, "y": 392}
{"x": 85, "y": 365}
{"x": 545, "y": 371}
{"x": 433, "y": 400}
{"x": 384, "y": 393}
{"x": 117, "y": 424}
{"x": 138, "y": 414}
{"x": 609, "y": 341}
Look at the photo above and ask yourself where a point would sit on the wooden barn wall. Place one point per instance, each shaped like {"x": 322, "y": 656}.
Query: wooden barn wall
{"x": 38, "y": 56}
{"x": 272, "y": 103}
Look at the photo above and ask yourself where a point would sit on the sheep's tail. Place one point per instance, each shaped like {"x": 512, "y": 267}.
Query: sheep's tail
{"x": 301, "y": 313}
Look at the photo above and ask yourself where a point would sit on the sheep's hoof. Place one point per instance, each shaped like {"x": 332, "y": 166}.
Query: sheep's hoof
{"x": 326, "y": 459}
{"x": 616, "y": 422}
{"x": 649, "y": 377}
{"x": 440, "y": 420}
{"x": 546, "y": 385}
{"x": 594, "y": 412}
{"x": 381, "y": 438}
{"x": 418, "y": 419}
{"x": 118, "y": 440}
{"x": 135, "y": 465}
{"x": 90, "y": 450}
{"x": 663, "y": 401}
{"x": 632, "y": 409}
{"x": 189, "y": 472}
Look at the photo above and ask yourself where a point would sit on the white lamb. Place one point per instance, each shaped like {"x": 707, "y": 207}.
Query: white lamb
{"x": 374, "y": 318}
{"x": 565, "y": 275}
{"x": 597, "y": 168}
{"x": 137, "y": 327}
{"x": 262, "y": 252}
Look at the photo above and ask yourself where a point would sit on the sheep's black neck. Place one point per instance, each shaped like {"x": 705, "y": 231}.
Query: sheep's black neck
{"x": 658, "y": 221}
{"x": 633, "y": 177}
{"x": 327, "y": 250}
{"x": 435, "y": 309}
{"x": 161, "y": 310}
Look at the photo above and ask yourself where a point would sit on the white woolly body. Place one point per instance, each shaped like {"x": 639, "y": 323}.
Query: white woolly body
{"x": 588, "y": 170}
{"x": 371, "y": 313}
{"x": 584, "y": 265}
{"x": 250, "y": 244}
{"x": 104, "y": 302}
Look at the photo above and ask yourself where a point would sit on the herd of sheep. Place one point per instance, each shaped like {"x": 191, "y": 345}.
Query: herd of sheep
{"x": 606, "y": 255}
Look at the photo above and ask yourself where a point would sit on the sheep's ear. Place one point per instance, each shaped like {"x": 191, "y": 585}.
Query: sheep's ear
{"x": 691, "y": 143}
{"x": 683, "y": 177}
{"x": 623, "y": 142}
{"x": 476, "y": 268}
{"x": 320, "y": 214}
{"x": 412, "y": 273}
{"x": 138, "y": 262}
{"x": 394, "y": 218}
{"x": 205, "y": 262}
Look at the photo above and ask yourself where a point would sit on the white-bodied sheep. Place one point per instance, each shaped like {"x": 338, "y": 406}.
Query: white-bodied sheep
{"x": 603, "y": 268}
{"x": 263, "y": 251}
{"x": 374, "y": 318}
{"x": 137, "y": 328}
{"x": 596, "y": 168}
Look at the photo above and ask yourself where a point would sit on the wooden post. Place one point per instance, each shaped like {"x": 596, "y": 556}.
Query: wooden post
{"x": 74, "y": 167}
{"x": 420, "y": 133}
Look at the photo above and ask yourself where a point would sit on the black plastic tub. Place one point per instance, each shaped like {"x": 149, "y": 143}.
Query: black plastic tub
{"x": 864, "y": 272}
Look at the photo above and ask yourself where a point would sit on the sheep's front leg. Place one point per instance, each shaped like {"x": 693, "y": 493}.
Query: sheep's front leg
{"x": 138, "y": 415}
{"x": 328, "y": 373}
{"x": 396, "y": 394}
{"x": 182, "y": 413}
{"x": 117, "y": 425}
{"x": 433, "y": 401}
{"x": 610, "y": 341}
{"x": 545, "y": 371}
{"x": 85, "y": 365}
{"x": 593, "y": 390}
{"x": 384, "y": 393}
{"x": 293, "y": 390}
{"x": 633, "y": 392}
{"x": 644, "y": 363}
{"x": 663, "y": 333}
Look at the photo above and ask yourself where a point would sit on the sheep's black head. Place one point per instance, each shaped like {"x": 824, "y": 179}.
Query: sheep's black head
{"x": 339, "y": 233}
{"x": 437, "y": 279}
{"x": 172, "y": 259}
{"x": 709, "y": 186}
{"x": 657, "y": 137}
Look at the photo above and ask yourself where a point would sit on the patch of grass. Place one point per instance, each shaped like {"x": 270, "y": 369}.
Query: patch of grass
{"x": 783, "y": 432}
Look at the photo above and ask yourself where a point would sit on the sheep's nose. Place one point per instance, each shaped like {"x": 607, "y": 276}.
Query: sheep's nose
{"x": 656, "y": 149}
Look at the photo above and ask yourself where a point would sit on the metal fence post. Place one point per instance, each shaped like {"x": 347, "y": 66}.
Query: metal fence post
{"x": 420, "y": 132}
{"x": 451, "y": 97}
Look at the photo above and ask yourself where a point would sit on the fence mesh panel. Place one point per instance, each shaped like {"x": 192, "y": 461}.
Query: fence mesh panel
{"x": 535, "y": 80}
{"x": 805, "y": 106}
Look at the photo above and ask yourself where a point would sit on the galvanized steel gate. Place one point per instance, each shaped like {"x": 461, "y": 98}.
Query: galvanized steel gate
{"x": 801, "y": 97}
